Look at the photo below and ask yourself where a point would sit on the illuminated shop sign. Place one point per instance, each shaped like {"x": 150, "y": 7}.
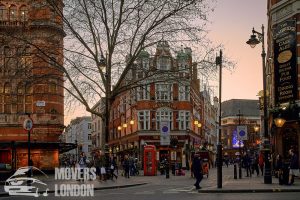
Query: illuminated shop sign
{"x": 285, "y": 61}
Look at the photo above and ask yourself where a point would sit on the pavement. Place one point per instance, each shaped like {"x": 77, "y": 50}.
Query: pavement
{"x": 208, "y": 184}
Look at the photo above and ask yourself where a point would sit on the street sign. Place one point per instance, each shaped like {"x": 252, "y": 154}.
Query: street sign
{"x": 164, "y": 133}
{"x": 40, "y": 103}
{"x": 242, "y": 133}
{"x": 28, "y": 124}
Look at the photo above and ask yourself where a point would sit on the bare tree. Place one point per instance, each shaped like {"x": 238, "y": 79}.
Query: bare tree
{"x": 118, "y": 31}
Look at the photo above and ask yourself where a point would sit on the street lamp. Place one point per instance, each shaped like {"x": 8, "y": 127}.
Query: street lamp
{"x": 219, "y": 146}
{"x": 253, "y": 41}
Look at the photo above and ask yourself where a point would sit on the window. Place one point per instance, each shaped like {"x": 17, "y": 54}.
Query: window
{"x": 164, "y": 92}
{"x": 13, "y": 13}
{"x": 20, "y": 98}
{"x": 182, "y": 65}
{"x": 7, "y": 98}
{"x": 144, "y": 120}
{"x": 52, "y": 86}
{"x": 164, "y": 63}
{"x": 23, "y": 14}
{"x": 90, "y": 148}
{"x": 143, "y": 92}
{"x": 145, "y": 64}
{"x": 7, "y": 88}
{"x": 164, "y": 115}
{"x": 89, "y": 126}
{"x": 3, "y": 13}
{"x": 184, "y": 120}
{"x": 184, "y": 93}
{"x": 89, "y": 135}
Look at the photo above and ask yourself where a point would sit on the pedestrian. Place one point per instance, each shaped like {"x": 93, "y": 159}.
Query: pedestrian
{"x": 279, "y": 169}
{"x": 255, "y": 164}
{"x": 294, "y": 166}
{"x": 126, "y": 166}
{"x": 97, "y": 164}
{"x": 247, "y": 162}
{"x": 112, "y": 169}
{"x": 197, "y": 169}
{"x": 261, "y": 162}
{"x": 82, "y": 165}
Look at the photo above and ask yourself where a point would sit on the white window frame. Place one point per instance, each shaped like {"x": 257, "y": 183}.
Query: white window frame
{"x": 165, "y": 115}
{"x": 184, "y": 118}
{"x": 143, "y": 92}
{"x": 184, "y": 92}
{"x": 164, "y": 63}
{"x": 164, "y": 92}
{"x": 144, "y": 120}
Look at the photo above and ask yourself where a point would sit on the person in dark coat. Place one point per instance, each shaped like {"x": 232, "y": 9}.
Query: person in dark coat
{"x": 294, "y": 166}
{"x": 197, "y": 169}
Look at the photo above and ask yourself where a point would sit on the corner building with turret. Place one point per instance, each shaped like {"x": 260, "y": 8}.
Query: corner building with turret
{"x": 31, "y": 48}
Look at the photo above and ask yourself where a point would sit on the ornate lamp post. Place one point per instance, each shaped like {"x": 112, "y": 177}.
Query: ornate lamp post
{"x": 219, "y": 146}
{"x": 253, "y": 41}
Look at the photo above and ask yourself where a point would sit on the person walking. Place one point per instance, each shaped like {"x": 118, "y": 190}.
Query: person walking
{"x": 261, "y": 162}
{"x": 126, "y": 166}
{"x": 247, "y": 163}
{"x": 113, "y": 165}
{"x": 197, "y": 169}
{"x": 82, "y": 165}
{"x": 255, "y": 164}
{"x": 294, "y": 166}
{"x": 279, "y": 169}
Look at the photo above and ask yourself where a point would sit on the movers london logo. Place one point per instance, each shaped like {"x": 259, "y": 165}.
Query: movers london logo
{"x": 30, "y": 181}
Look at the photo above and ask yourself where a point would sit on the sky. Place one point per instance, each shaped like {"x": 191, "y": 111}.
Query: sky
{"x": 231, "y": 24}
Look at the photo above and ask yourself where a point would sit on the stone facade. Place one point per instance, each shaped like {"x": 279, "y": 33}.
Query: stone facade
{"x": 288, "y": 136}
{"x": 169, "y": 94}
{"x": 31, "y": 37}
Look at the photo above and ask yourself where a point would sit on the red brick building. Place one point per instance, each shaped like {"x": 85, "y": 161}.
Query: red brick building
{"x": 29, "y": 82}
{"x": 283, "y": 69}
{"x": 170, "y": 96}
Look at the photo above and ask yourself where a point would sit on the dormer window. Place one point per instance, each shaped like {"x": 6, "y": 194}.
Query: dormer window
{"x": 164, "y": 63}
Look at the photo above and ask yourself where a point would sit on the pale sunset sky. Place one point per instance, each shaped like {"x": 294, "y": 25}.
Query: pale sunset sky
{"x": 231, "y": 24}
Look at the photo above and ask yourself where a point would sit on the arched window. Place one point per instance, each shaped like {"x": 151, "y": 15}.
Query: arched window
{"x": 7, "y": 98}
{"x": 23, "y": 14}
{"x": 28, "y": 98}
{"x": 7, "y": 88}
{"x": 3, "y": 13}
{"x": 13, "y": 13}
{"x": 20, "y": 98}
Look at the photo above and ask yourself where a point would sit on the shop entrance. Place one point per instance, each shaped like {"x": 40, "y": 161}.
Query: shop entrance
{"x": 289, "y": 141}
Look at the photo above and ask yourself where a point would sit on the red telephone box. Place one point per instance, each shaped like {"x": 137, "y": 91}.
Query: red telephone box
{"x": 149, "y": 160}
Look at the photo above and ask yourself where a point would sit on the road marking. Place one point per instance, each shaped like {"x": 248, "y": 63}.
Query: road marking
{"x": 170, "y": 192}
{"x": 144, "y": 192}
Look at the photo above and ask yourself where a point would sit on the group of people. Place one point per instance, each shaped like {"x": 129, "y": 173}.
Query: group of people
{"x": 253, "y": 163}
{"x": 287, "y": 171}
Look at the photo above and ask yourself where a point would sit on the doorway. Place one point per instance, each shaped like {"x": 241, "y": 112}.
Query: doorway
{"x": 289, "y": 141}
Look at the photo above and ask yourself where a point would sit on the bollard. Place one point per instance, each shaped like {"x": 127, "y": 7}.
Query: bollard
{"x": 240, "y": 171}
{"x": 235, "y": 172}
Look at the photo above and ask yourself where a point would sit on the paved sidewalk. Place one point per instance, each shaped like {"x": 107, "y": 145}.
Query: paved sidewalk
{"x": 209, "y": 185}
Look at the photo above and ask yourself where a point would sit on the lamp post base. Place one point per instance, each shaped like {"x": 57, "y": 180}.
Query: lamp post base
{"x": 267, "y": 174}
{"x": 220, "y": 162}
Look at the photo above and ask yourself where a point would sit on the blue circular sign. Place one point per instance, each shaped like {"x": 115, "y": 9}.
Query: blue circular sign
{"x": 164, "y": 129}
{"x": 242, "y": 133}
